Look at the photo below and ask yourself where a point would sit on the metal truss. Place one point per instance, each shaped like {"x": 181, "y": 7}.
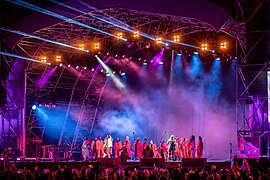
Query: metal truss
{"x": 152, "y": 24}
{"x": 250, "y": 106}
{"x": 81, "y": 92}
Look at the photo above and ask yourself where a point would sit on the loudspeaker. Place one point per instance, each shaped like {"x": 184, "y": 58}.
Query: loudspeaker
{"x": 111, "y": 162}
{"x": 150, "y": 162}
{"x": 194, "y": 162}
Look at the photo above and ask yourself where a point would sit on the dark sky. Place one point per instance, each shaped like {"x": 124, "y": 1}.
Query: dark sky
{"x": 200, "y": 9}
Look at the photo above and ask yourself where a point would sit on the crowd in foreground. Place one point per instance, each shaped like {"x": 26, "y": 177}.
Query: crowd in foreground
{"x": 108, "y": 173}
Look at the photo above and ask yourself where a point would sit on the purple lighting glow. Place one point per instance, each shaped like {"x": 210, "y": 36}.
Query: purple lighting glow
{"x": 158, "y": 57}
{"x": 42, "y": 82}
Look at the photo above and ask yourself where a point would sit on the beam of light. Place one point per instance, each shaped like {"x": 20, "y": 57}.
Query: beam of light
{"x": 50, "y": 13}
{"x": 99, "y": 67}
{"x": 75, "y": 71}
{"x": 195, "y": 67}
{"x": 214, "y": 81}
{"x": 158, "y": 57}
{"x": 43, "y": 81}
{"x": 111, "y": 21}
{"x": 21, "y": 57}
{"x": 40, "y": 38}
{"x": 44, "y": 116}
{"x": 115, "y": 79}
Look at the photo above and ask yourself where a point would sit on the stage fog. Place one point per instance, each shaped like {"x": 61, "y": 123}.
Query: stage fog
{"x": 183, "y": 98}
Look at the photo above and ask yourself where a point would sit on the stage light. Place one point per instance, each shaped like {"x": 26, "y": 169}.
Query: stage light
{"x": 85, "y": 68}
{"x": 97, "y": 46}
{"x": 123, "y": 56}
{"x": 145, "y": 63}
{"x": 108, "y": 53}
{"x": 101, "y": 70}
{"x": 69, "y": 65}
{"x": 195, "y": 52}
{"x": 116, "y": 55}
{"x": 204, "y": 47}
{"x": 108, "y": 75}
{"x": 179, "y": 54}
{"x": 58, "y": 58}
{"x": 77, "y": 67}
{"x": 160, "y": 63}
{"x": 140, "y": 59}
{"x": 167, "y": 44}
{"x": 130, "y": 58}
{"x": 93, "y": 69}
{"x": 223, "y": 45}
{"x": 122, "y": 74}
{"x": 217, "y": 59}
{"x": 43, "y": 59}
{"x": 159, "y": 40}
{"x": 119, "y": 35}
{"x": 136, "y": 34}
{"x": 81, "y": 46}
{"x": 176, "y": 38}
{"x": 60, "y": 64}
{"x": 34, "y": 107}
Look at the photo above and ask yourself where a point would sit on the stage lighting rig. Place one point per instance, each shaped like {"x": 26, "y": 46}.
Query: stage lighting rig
{"x": 159, "y": 40}
{"x": 204, "y": 47}
{"x": 136, "y": 34}
{"x": 81, "y": 46}
{"x": 223, "y": 45}
{"x": 43, "y": 59}
{"x": 58, "y": 58}
{"x": 119, "y": 35}
{"x": 176, "y": 38}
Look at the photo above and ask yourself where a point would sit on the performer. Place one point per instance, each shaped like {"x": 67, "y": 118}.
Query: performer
{"x": 99, "y": 147}
{"x": 154, "y": 148}
{"x": 199, "y": 148}
{"x": 108, "y": 145}
{"x": 183, "y": 148}
{"x": 94, "y": 148}
{"x": 138, "y": 148}
{"x": 144, "y": 143}
{"x": 177, "y": 148}
{"x": 127, "y": 146}
{"x": 171, "y": 144}
{"x": 163, "y": 149}
{"x": 191, "y": 147}
{"x": 85, "y": 149}
{"x": 117, "y": 148}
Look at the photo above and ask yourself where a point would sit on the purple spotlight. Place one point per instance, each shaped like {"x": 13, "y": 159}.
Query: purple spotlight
{"x": 130, "y": 45}
{"x": 158, "y": 57}
{"x": 42, "y": 82}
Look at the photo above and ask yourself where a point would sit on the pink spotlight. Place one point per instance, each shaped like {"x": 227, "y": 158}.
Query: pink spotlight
{"x": 77, "y": 67}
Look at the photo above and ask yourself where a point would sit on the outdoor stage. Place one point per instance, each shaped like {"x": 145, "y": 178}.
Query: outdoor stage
{"x": 256, "y": 164}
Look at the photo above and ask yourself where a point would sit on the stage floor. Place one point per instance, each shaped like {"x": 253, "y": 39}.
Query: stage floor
{"x": 31, "y": 163}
